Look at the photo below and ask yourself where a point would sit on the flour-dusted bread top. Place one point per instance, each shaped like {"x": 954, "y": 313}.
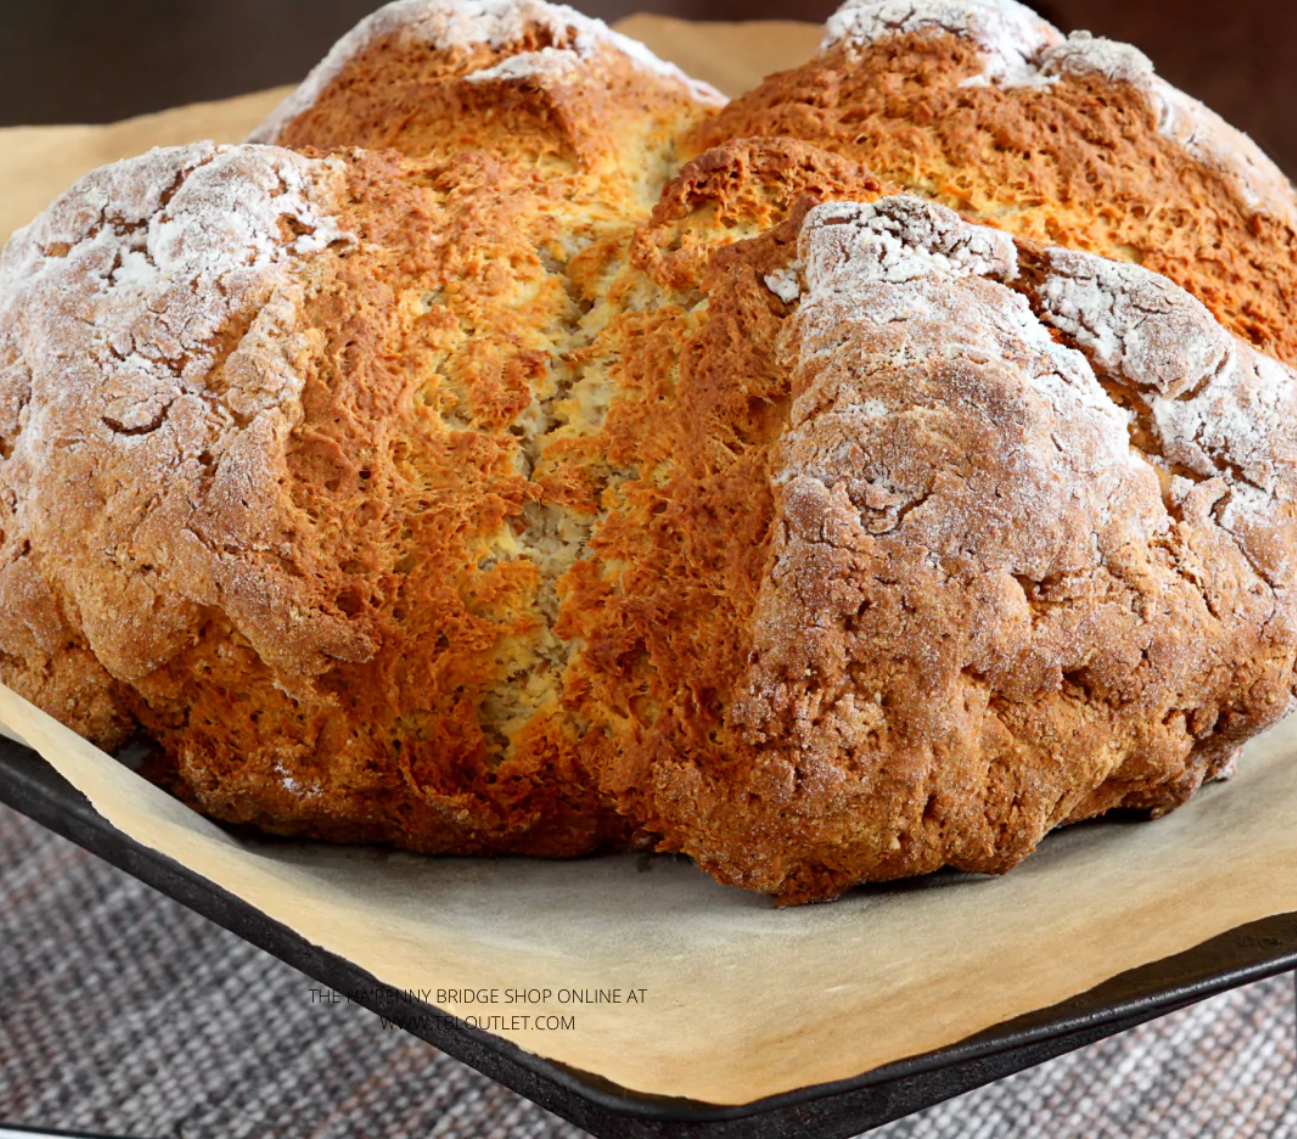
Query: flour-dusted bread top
{"x": 518, "y": 453}
{"x": 432, "y": 76}
{"x": 938, "y": 675}
{"x": 273, "y": 430}
{"x": 1012, "y": 37}
{"x": 1022, "y": 50}
{"x": 986, "y": 108}
{"x": 151, "y": 352}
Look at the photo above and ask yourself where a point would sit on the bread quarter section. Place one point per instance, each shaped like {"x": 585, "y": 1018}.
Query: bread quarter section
{"x": 1032, "y": 559}
{"x": 536, "y": 81}
{"x": 1074, "y": 141}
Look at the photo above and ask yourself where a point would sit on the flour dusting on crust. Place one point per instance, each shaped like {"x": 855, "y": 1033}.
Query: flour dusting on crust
{"x": 1012, "y": 35}
{"x": 1032, "y": 557}
{"x": 447, "y": 25}
{"x": 1212, "y": 404}
{"x": 548, "y": 63}
{"x": 1197, "y": 128}
{"x": 897, "y": 239}
{"x": 1218, "y": 408}
{"x": 152, "y": 315}
{"x": 890, "y": 266}
{"x": 1022, "y": 50}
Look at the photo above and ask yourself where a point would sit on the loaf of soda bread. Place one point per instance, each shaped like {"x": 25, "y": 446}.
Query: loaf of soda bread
{"x": 514, "y": 448}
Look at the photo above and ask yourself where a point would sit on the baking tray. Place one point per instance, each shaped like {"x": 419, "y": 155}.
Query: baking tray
{"x": 826, "y": 1111}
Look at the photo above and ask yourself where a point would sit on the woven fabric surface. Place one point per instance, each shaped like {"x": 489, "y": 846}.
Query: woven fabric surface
{"x": 124, "y": 1013}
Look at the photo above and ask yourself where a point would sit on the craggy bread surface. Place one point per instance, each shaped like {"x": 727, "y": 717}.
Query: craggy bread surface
{"x": 537, "y": 457}
{"x": 1072, "y": 141}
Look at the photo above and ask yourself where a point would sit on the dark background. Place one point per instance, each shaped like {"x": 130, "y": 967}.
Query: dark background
{"x": 96, "y": 61}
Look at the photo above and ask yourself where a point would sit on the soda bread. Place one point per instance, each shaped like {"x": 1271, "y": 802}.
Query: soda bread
{"x": 514, "y": 448}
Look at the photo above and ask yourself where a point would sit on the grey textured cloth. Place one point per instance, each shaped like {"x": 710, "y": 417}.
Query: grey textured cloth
{"x": 122, "y": 1012}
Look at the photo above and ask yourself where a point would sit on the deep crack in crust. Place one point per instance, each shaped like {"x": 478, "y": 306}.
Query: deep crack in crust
{"x": 520, "y": 489}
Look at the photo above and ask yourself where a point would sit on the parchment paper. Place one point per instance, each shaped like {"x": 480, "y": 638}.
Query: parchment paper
{"x": 719, "y": 996}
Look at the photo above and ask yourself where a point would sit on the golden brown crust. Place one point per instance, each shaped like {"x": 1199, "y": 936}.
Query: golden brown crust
{"x": 1080, "y": 162}
{"x": 935, "y": 678}
{"x": 512, "y": 489}
{"x": 385, "y": 493}
{"x": 526, "y": 80}
{"x": 405, "y": 479}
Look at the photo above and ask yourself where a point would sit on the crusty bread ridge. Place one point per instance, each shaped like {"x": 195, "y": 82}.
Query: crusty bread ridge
{"x": 514, "y": 449}
{"x": 984, "y": 107}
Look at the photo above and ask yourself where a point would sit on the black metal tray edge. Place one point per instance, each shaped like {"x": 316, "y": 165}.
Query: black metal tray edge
{"x": 839, "y": 1108}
